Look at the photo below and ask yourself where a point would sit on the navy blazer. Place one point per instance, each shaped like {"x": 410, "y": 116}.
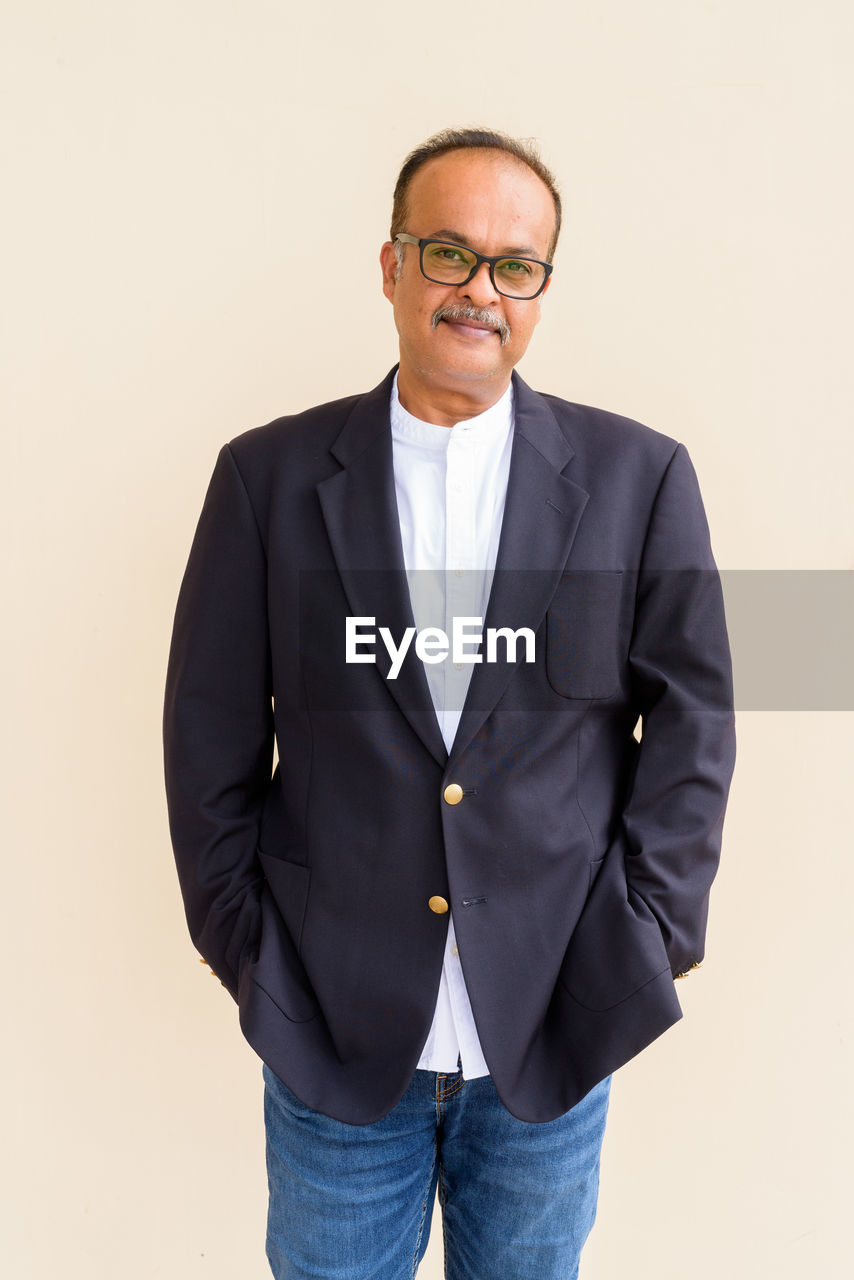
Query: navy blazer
{"x": 578, "y": 862}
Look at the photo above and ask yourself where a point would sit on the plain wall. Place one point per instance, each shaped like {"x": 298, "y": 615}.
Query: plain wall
{"x": 164, "y": 166}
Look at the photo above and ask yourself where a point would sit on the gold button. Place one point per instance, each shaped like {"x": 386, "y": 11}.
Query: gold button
{"x": 437, "y": 904}
{"x": 453, "y": 793}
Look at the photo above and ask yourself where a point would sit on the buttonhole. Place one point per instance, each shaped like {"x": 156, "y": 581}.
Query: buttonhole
{"x": 553, "y": 507}
{"x": 473, "y": 902}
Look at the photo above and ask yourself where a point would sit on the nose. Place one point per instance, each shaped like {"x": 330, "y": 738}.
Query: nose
{"x": 480, "y": 290}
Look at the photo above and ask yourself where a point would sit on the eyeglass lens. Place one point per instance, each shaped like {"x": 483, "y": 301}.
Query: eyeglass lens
{"x": 452, "y": 264}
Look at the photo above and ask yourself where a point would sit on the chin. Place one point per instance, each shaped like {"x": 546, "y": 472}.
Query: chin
{"x": 475, "y": 364}
{"x": 473, "y": 373}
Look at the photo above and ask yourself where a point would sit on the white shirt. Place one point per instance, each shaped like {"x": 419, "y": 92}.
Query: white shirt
{"x": 451, "y": 485}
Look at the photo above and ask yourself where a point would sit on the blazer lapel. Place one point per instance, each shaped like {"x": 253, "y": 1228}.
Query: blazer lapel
{"x": 541, "y": 517}
{"x": 360, "y": 512}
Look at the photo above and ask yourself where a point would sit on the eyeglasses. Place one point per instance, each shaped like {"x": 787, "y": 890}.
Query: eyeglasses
{"x": 444, "y": 262}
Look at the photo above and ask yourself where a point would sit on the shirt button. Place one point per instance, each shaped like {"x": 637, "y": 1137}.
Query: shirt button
{"x": 455, "y": 950}
{"x": 453, "y": 793}
{"x": 438, "y": 905}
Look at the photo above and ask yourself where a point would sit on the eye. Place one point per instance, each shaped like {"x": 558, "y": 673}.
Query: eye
{"x": 446, "y": 253}
{"x": 517, "y": 267}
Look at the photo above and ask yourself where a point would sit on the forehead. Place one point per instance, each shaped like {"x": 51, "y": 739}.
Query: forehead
{"x": 493, "y": 201}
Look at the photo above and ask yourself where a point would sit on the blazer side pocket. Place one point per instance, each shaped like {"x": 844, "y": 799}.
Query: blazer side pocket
{"x": 288, "y": 883}
{"x": 277, "y": 969}
{"x": 585, "y": 642}
{"x": 616, "y": 947}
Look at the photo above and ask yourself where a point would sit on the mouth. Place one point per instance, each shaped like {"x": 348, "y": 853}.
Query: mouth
{"x": 471, "y": 327}
{"x": 474, "y": 323}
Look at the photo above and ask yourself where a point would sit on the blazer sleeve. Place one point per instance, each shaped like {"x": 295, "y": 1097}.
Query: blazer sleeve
{"x": 680, "y": 667}
{"x": 218, "y": 725}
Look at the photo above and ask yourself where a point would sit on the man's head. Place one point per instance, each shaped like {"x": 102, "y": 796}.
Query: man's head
{"x": 471, "y": 140}
{"x": 459, "y": 341}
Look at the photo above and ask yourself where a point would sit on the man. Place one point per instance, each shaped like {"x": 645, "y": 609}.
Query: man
{"x": 459, "y": 902}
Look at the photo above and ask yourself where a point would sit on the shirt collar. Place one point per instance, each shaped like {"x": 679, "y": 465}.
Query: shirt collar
{"x": 495, "y": 423}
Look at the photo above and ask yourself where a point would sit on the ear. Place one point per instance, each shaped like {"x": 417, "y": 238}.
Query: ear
{"x": 388, "y": 263}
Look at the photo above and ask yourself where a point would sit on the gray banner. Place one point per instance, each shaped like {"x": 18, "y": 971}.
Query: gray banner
{"x": 791, "y": 631}
{"x": 792, "y": 638}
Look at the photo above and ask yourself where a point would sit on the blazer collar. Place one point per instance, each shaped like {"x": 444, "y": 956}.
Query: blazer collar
{"x": 360, "y": 510}
{"x": 541, "y": 516}
{"x": 368, "y": 421}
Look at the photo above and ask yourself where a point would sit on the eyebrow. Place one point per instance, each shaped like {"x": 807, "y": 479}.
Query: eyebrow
{"x": 514, "y": 251}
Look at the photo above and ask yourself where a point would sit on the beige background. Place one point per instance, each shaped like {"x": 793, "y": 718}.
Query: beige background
{"x": 165, "y": 165}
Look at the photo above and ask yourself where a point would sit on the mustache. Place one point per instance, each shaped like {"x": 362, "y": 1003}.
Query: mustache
{"x": 482, "y": 315}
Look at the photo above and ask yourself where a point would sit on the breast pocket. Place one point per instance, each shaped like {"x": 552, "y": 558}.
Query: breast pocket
{"x": 586, "y": 635}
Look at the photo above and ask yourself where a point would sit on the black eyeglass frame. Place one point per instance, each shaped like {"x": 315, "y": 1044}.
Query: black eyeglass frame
{"x": 548, "y": 267}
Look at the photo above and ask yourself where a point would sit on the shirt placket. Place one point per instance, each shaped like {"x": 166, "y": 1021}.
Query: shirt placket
{"x": 463, "y": 598}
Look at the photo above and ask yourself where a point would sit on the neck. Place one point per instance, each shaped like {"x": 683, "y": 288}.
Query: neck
{"x": 444, "y": 406}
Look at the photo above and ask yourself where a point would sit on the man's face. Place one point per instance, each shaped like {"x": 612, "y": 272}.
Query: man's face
{"x": 495, "y": 205}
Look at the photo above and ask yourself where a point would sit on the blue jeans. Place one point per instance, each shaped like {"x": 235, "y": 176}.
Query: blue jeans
{"x": 353, "y": 1202}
